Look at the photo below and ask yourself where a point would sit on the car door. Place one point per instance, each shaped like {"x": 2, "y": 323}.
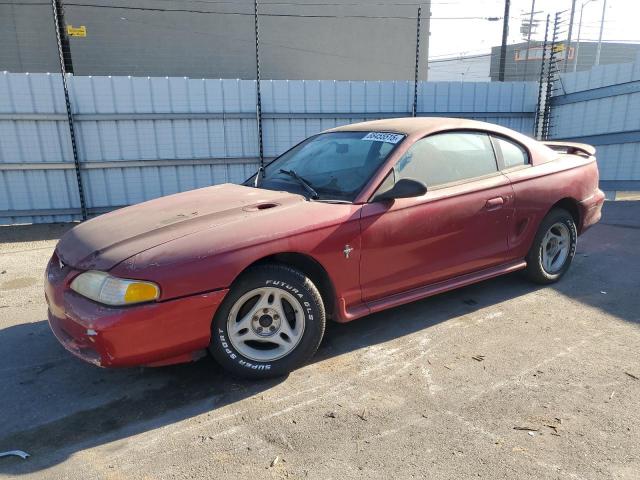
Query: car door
{"x": 459, "y": 226}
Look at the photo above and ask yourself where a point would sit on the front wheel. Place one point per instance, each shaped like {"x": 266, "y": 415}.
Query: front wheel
{"x": 271, "y": 322}
{"x": 553, "y": 249}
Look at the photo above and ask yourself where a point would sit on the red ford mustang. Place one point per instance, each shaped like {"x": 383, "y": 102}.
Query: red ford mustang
{"x": 352, "y": 221}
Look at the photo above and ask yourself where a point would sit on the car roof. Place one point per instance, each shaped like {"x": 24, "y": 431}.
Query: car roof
{"x": 418, "y": 125}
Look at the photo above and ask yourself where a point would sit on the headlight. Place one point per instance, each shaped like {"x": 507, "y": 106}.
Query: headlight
{"x": 104, "y": 288}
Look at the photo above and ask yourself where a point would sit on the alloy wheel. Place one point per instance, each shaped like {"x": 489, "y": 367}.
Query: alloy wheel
{"x": 266, "y": 324}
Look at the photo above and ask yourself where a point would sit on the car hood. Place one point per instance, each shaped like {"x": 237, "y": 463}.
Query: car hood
{"x": 105, "y": 241}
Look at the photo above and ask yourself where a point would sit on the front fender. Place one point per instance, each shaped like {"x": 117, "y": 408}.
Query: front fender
{"x": 192, "y": 265}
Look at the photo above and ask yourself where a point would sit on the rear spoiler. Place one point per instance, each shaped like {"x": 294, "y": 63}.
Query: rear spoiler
{"x": 571, "y": 148}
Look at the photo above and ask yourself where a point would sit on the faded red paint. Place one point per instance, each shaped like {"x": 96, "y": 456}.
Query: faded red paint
{"x": 194, "y": 245}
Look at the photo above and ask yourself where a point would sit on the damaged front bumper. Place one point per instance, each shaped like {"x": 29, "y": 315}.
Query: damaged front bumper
{"x": 152, "y": 334}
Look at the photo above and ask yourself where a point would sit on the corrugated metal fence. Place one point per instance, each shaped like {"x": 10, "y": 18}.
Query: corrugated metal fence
{"x": 601, "y": 107}
{"x": 139, "y": 138}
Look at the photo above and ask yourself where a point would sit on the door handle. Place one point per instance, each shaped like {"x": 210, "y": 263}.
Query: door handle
{"x": 494, "y": 203}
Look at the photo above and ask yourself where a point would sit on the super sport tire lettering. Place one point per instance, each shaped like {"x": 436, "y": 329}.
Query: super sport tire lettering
{"x": 294, "y": 283}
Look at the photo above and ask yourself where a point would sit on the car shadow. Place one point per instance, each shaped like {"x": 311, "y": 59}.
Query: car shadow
{"x": 33, "y": 233}
{"x": 55, "y": 405}
{"x": 605, "y": 273}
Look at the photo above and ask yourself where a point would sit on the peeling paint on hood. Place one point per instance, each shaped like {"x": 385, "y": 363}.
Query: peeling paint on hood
{"x": 103, "y": 242}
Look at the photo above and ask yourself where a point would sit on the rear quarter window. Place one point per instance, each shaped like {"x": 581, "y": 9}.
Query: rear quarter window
{"x": 513, "y": 155}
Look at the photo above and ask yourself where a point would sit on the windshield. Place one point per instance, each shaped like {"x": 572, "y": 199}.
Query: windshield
{"x": 335, "y": 165}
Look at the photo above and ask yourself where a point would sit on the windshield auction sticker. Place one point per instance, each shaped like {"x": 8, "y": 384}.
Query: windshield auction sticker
{"x": 383, "y": 137}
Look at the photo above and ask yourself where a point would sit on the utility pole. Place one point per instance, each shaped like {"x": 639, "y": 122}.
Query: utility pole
{"x": 567, "y": 47}
{"x": 599, "y": 49}
{"x": 526, "y": 57}
{"x": 575, "y": 56}
{"x": 505, "y": 34}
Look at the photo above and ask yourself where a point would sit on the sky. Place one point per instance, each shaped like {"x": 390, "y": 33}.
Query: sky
{"x": 475, "y": 36}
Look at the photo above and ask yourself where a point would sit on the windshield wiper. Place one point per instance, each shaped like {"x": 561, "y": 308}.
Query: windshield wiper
{"x": 301, "y": 181}
{"x": 332, "y": 200}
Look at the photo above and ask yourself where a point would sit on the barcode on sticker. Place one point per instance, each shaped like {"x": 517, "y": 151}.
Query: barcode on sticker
{"x": 383, "y": 137}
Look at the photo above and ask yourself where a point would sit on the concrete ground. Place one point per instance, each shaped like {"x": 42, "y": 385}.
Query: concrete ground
{"x": 502, "y": 379}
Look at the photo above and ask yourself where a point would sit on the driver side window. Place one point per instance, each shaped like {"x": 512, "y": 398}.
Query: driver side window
{"x": 447, "y": 158}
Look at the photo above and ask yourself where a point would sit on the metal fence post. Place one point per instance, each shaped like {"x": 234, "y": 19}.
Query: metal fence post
{"x": 64, "y": 39}
{"x": 258, "y": 97}
{"x": 414, "y": 111}
{"x": 56, "y": 19}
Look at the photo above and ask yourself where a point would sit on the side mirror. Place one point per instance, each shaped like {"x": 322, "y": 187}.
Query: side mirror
{"x": 403, "y": 188}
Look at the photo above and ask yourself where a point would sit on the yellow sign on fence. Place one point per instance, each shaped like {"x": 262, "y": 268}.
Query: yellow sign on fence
{"x": 80, "y": 31}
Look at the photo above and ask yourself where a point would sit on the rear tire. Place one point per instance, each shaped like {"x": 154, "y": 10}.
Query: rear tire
{"x": 270, "y": 323}
{"x": 553, "y": 248}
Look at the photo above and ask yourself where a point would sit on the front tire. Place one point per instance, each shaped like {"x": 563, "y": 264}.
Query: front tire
{"x": 270, "y": 323}
{"x": 553, "y": 249}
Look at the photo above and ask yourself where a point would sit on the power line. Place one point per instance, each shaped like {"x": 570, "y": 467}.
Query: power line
{"x": 459, "y": 59}
{"x": 247, "y": 14}
{"x": 463, "y": 54}
{"x": 628, "y": 41}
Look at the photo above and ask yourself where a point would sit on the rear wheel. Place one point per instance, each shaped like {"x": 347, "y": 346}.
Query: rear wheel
{"x": 553, "y": 249}
{"x": 271, "y": 322}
